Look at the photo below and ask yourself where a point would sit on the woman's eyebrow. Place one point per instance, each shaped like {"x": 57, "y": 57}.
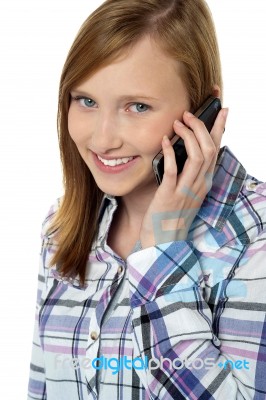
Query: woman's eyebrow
{"x": 133, "y": 97}
{"x": 130, "y": 97}
{"x": 80, "y": 92}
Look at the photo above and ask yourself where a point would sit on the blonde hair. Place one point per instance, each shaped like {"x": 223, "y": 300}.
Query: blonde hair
{"x": 185, "y": 31}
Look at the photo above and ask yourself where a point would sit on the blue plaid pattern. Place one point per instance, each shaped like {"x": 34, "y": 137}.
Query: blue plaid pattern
{"x": 189, "y": 301}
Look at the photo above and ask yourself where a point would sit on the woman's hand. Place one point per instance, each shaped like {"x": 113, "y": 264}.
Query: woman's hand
{"x": 179, "y": 197}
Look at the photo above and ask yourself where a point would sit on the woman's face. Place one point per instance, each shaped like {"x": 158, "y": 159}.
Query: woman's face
{"x": 118, "y": 117}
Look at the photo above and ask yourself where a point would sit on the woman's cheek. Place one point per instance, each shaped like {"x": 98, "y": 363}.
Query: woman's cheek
{"x": 77, "y": 127}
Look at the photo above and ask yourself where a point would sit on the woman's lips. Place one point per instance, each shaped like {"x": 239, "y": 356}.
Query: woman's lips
{"x": 114, "y": 169}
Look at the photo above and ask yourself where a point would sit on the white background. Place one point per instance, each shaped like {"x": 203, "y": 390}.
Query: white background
{"x": 35, "y": 36}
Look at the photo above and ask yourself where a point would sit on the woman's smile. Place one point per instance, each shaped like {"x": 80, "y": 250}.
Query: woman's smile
{"x": 114, "y": 165}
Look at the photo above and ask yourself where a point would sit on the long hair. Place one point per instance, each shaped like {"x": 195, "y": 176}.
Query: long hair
{"x": 185, "y": 31}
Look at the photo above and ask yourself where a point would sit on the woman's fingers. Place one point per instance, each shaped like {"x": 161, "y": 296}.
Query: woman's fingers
{"x": 170, "y": 167}
{"x": 219, "y": 127}
{"x": 217, "y": 133}
{"x": 202, "y": 149}
{"x": 195, "y": 147}
{"x": 205, "y": 142}
{"x": 208, "y": 143}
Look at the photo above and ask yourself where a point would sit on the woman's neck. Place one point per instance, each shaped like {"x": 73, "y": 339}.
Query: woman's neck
{"x": 133, "y": 206}
{"x": 127, "y": 221}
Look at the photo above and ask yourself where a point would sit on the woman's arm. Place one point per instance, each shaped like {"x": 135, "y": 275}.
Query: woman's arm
{"x": 172, "y": 319}
{"x": 37, "y": 384}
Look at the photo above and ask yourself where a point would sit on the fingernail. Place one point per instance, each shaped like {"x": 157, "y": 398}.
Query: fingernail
{"x": 166, "y": 139}
{"x": 178, "y": 123}
{"x": 225, "y": 112}
{"x": 188, "y": 114}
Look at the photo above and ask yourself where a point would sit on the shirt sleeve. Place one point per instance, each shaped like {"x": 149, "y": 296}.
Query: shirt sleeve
{"x": 173, "y": 325}
{"x": 37, "y": 383}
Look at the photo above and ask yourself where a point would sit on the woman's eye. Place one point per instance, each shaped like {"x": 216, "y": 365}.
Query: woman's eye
{"x": 139, "y": 107}
{"x": 85, "y": 101}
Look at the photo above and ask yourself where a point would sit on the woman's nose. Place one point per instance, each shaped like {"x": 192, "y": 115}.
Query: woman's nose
{"x": 106, "y": 133}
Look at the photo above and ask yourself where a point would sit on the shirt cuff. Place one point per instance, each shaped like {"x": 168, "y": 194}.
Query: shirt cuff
{"x": 161, "y": 270}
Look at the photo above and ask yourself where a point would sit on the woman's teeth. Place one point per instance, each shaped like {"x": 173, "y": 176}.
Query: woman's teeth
{"x": 113, "y": 163}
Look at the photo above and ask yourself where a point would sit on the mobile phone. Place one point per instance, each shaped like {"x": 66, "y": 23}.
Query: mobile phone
{"x": 206, "y": 113}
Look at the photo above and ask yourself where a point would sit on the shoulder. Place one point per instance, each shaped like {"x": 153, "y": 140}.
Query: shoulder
{"x": 250, "y": 207}
{"x": 45, "y": 232}
{"x": 235, "y": 208}
{"x": 254, "y": 190}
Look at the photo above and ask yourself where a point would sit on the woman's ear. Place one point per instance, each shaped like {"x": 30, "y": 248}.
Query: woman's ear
{"x": 216, "y": 91}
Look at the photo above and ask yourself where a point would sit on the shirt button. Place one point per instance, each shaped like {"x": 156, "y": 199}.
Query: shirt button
{"x": 94, "y": 335}
{"x": 251, "y": 186}
{"x": 120, "y": 270}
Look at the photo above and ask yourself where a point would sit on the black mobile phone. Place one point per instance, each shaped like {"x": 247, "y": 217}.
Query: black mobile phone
{"x": 206, "y": 113}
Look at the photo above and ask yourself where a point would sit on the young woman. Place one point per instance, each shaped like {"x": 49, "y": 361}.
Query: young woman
{"x": 147, "y": 291}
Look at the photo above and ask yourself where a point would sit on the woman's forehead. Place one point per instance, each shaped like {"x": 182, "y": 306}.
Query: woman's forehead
{"x": 143, "y": 63}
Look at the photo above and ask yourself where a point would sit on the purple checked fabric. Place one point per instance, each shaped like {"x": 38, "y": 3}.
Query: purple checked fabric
{"x": 200, "y": 303}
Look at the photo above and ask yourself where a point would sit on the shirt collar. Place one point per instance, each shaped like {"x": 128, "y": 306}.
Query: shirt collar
{"x": 228, "y": 179}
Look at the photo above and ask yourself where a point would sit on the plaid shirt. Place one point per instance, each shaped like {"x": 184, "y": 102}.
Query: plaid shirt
{"x": 200, "y": 303}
